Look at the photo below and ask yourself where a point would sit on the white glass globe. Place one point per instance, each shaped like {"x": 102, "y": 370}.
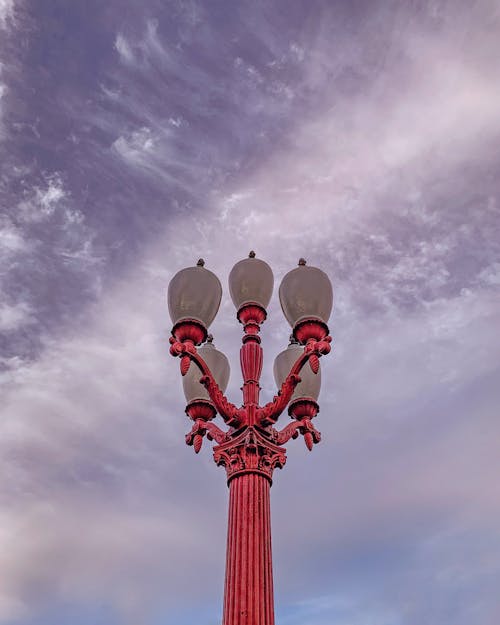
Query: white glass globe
{"x": 219, "y": 366}
{"x": 251, "y": 281}
{"x": 194, "y": 293}
{"x": 310, "y": 383}
{"x": 306, "y": 293}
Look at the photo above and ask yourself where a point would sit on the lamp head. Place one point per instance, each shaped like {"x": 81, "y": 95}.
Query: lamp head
{"x": 194, "y": 296}
{"x": 310, "y": 383}
{"x": 251, "y": 284}
{"x": 218, "y": 365}
{"x": 306, "y": 298}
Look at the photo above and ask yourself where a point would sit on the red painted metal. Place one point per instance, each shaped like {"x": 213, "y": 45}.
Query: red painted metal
{"x": 201, "y": 412}
{"x": 190, "y": 330}
{"x": 248, "y": 595}
{"x": 308, "y": 329}
{"x": 201, "y": 409}
{"x": 302, "y": 410}
{"x": 250, "y": 450}
{"x": 251, "y": 315}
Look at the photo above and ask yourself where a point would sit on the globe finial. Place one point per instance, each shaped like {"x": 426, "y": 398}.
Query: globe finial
{"x": 251, "y": 254}
{"x": 302, "y": 262}
{"x": 200, "y": 263}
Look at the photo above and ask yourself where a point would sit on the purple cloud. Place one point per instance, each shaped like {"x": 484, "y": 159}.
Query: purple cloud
{"x": 135, "y": 139}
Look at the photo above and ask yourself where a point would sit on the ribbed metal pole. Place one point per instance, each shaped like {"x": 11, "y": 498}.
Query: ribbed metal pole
{"x": 248, "y": 595}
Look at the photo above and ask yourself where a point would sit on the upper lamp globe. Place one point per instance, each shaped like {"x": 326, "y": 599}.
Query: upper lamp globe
{"x": 251, "y": 283}
{"x": 306, "y": 298}
{"x": 194, "y": 296}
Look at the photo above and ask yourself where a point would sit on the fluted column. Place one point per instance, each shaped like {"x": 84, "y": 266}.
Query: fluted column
{"x": 248, "y": 597}
{"x": 249, "y": 459}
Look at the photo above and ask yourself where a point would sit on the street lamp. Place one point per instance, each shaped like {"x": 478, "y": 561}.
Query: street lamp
{"x": 251, "y": 448}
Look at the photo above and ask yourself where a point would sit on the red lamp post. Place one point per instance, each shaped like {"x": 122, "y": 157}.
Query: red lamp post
{"x": 251, "y": 448}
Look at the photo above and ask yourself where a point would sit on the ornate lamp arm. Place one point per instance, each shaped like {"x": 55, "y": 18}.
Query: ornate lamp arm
{"x": 304, "y": 426}
{"x": 269, "y": 413}
{"x": 202, "y": 427}
{"x": 214, "y": 433}
{"x": 187, "y": 352}
{"x": 232, "y": 415}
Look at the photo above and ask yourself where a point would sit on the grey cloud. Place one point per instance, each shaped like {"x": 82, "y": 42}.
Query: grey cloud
{"x": 364, "y": 138}
{"x": 7, "y": 11}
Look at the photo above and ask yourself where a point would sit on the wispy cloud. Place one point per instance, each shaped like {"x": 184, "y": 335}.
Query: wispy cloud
{"x": 69, "y": 454}
{"x": 13, "y": 317}
{"x": 46, "y": 231}
{"x": 6, "y": 12}
{"x": 123, "y": 48}
{"x": 365, "y": 140}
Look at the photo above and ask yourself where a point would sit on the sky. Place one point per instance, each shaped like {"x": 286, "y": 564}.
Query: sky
{"x": 137, "y": 137}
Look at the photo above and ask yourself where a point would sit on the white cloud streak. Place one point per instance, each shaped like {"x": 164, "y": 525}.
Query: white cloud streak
{"x": 6, "y": 12}
{"x": 15, "y": 316}
{"x": 91, "y": 440}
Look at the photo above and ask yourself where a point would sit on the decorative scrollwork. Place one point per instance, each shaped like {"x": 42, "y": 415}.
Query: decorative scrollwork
{"x": 195, "y": 436}
{"x": 202, "y": 427}
{"x": 292, "y": 430}
{"x": 289, "y": 431}
{"x": 250, "y": 452}
{"x": 214, "y": 433}
{"x": 248, "y": 449}
{"x": 185, "y": 362}
{"x": 232, "y": 415}
{"x": 229, "y": 412}
{"x": 314, "y": 363}
{"x": 269, "y": 413}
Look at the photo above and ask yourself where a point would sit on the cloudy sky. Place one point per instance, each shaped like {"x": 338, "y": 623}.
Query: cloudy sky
{"x": 136, "y": 137}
